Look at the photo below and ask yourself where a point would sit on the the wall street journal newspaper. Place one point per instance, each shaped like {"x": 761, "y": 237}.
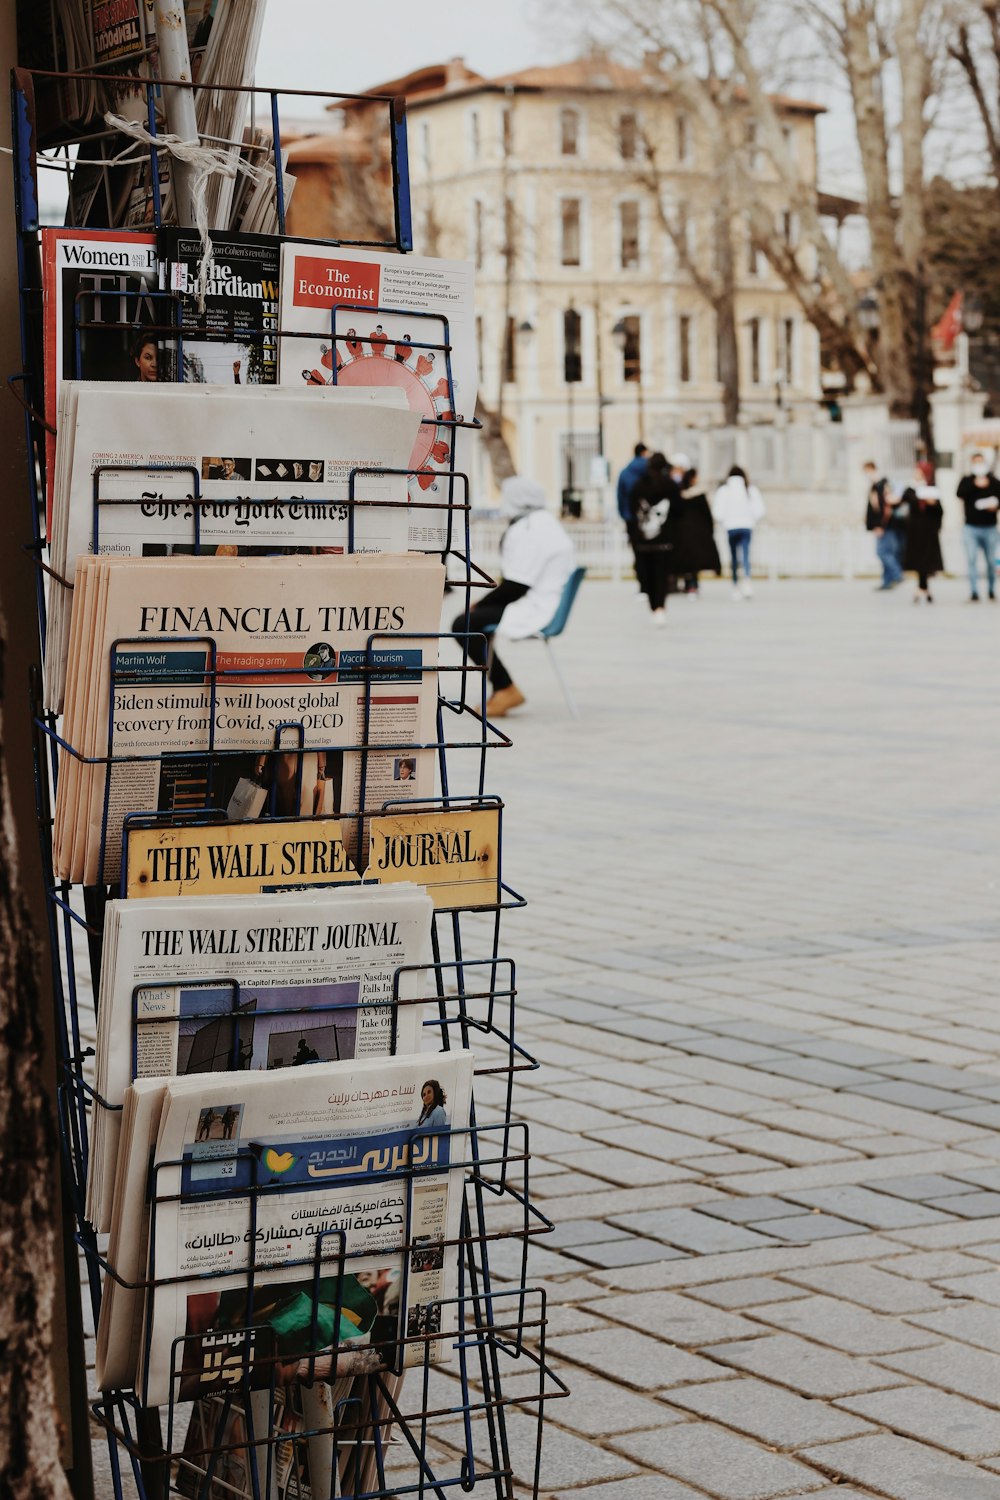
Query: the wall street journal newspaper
{"x": 250, "y": 983}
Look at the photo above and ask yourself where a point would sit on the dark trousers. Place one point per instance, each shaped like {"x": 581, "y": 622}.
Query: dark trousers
{"x": 658, "y": 577}
{"x": 487, "y": 611}
{"x": 638, "y": 544}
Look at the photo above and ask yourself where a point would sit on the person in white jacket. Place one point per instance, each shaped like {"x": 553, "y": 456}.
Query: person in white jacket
{"x": 536, "y": 560}
{"x": 738, "y": 507}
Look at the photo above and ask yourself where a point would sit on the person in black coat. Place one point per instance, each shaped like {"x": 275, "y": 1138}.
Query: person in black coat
{"x": 653, "y": 501}
{"x": 923, "y": 544}
{"x": 692, "y": 532}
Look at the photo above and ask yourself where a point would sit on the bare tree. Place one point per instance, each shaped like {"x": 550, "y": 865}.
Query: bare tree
{"x": 877, "y": 53}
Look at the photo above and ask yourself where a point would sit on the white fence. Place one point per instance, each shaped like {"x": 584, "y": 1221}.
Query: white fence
{"x": 778, "y": 552}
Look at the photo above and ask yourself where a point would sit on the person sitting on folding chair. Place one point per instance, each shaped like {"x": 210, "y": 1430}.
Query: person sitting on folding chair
{"x": 536, "y": 559}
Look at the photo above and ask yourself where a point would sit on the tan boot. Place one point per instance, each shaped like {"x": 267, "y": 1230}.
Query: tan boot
{"x": 502, "y": 701}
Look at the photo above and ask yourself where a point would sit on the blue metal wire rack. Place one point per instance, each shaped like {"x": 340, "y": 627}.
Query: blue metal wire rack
{"x": 445, "y": 1430}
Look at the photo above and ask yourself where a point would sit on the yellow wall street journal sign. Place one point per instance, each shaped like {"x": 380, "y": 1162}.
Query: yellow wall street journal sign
{"x": 454, "y": 854}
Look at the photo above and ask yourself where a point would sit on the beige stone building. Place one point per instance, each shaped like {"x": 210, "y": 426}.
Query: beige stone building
{"x": 556, "y": 181}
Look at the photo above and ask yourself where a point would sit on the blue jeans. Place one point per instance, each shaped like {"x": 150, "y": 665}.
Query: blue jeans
{"x": 739, "y": 548}
{"x": 985, "y": 538}
{"x": 889, "y": 549}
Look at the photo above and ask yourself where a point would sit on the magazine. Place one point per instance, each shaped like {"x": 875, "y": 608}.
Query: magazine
{"x": 274, "y": 465}
{"x": 229, "y": 315}
{"x": 109, "y": 279}
{"x": 267, "y": 657}
{"x": 249, "y": 983}
{"x": 351, "y": 1236}
{"x": 327, "y": 336}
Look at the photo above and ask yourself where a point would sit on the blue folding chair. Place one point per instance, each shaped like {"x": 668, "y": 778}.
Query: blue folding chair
{"x": 555, "y": 627}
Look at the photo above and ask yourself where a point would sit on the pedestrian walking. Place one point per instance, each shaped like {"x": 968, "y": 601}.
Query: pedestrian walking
{"x": 923, "y": 544}
{"x": 627, "y": 481}
{"x": 653, "y": 501}
{"x": 536, "y": 560}
{"x": 693, "y": 533}
{"x": 886, "y": 520}
{"x": 738, "y": 506}
{"x": 979, "y": 492}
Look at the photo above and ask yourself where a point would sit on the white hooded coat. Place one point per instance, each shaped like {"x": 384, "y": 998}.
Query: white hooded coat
{"x": 738, "y": 506}
{"x": 536, "y": 550}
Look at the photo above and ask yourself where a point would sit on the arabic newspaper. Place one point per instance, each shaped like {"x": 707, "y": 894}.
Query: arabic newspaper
{"x": 352, "y": 1236}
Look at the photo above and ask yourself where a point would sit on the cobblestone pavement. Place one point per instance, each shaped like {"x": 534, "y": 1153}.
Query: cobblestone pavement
{"x": 759, "y": 972}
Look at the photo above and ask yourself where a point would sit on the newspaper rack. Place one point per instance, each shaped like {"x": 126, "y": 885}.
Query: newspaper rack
{"x": 447, "y": 1429}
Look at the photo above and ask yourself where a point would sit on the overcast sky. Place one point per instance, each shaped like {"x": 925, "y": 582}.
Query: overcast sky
{"x": 323, "y": 44}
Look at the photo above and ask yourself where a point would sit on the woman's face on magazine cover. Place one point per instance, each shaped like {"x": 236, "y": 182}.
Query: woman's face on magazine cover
{"x": 145, "y": 362}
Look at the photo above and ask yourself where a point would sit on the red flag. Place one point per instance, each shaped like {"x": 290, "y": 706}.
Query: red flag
{"x": 949, "y": 325}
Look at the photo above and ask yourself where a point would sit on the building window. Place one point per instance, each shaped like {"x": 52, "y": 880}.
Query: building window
{"x": 510, "y": 351}
{"x": 628, "y": 231}
{"x": 683, "y": 139}
{"x": 753, "y": 155}
{"x": 506, "y": 131}
{"x": 787, "y": 349}
{"x": 755, "y": 351}
{"x": 628, "y": 137}
{"x": 684, "y": 234}
{"x": 474, "y": 134}
{"x": 425, "y": 146}
{"x": 509, "y": 229}
{"x": 477, "y": 233}
{"x": 753, "y": 264}
{"x": 572, "y": 346}
{"x": 632, "y": 349}
{"x": 479, "y": 347}
{"x": 570, "y": 232}
{"x": 569, "y": 132}
{"x": 684, "y": 349}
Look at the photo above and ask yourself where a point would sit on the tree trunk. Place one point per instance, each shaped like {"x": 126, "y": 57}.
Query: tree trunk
{"x": 29, "y": 1438}
{"x": 725, "y": 309}
{"x": 496, "y": 445}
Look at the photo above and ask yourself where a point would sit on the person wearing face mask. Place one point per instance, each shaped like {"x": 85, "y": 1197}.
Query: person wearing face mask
{"x": 979, "y": 492}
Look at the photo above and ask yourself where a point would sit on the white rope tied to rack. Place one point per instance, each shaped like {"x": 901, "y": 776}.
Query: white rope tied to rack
{"x": 204, "y": 162}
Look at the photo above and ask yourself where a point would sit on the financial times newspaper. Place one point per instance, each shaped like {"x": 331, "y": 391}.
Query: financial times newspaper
{"x": 351, "y": 1235}
{"x": 250, "y": 655}
{"x": 250, "y": 983}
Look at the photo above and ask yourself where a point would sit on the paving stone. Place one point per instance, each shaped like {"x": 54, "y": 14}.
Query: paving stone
{"x": 646, "y": 1487}
{"x": 953, "y": 1367}
{"x": 777, "y": 1417}
{"x": 682, "y": 1320}
{"x": 582, "y": 1232}
{"x": 914, "y": 1096}
{"x": 973, "y": 1325}
{"x": 690, "y": 1230}
{"x": 827, "y": 1075}
{"x": 720, "y": 1463}
{"x": 813, "y": 1122}
{"x": 920, "y": 1188}
{"x": 946, "y": 1421}
{"x": 744, "y": 1210}
{"x": 566, "y": 1458}
{"x": 745, "y": 1291}
{"x": 984, "y": 1287}
{"x": 625, "y": 1167}
{"x": 598, "y": 1408}
{"x": 804, "y": 1367}
{"x": 630, "y": 1251}
{"x": 801, "y": 1229}
{"x": 905, "y": 1470}
{"x": 650, "y": 1140}
{"x": 635, "y": 1359}
{"x": 843, "y": 1325}
{"x": 931, "y": 1265}
{"x": 870, "y": 1287}
{"x": 783, "y": 1146}
{"x": 850, "y": 1054}
{"x": 969, "y": 1205}
{"x": 983, "y": 1177}
{"x": 978, "y": 1114}
{"x": 876, "y": 1210}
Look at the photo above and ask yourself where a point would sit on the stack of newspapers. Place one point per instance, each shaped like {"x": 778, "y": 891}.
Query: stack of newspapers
{"x": 249, "y": 491}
